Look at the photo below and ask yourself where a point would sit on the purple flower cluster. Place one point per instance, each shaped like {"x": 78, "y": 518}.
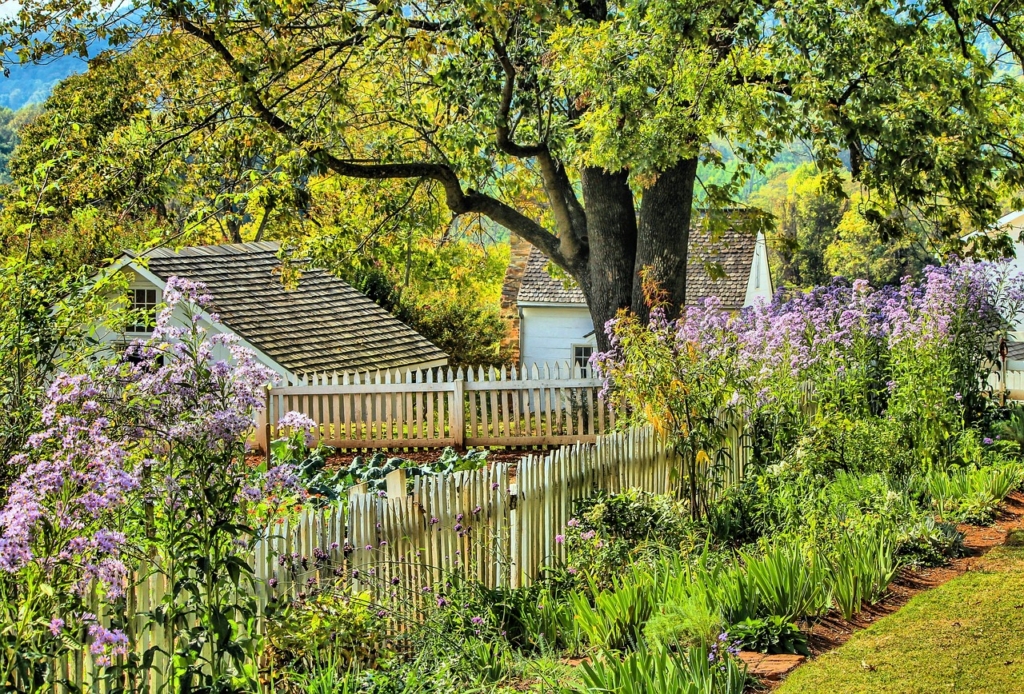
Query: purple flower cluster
{"x": 837, "y": 338}
{"x": 106, "y": 644}
{"x": 186, "y": 394}
{"x": 82, "y": 473}
{"x": 298, "y": 422}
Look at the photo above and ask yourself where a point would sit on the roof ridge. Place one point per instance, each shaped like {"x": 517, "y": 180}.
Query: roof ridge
{"x": 215, "y": 249}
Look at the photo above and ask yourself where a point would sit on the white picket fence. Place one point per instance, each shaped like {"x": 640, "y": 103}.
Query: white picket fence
{"x": 548, "y": 405}
{"x": 1012, "y": 383}
{"x": 497, "y": 525}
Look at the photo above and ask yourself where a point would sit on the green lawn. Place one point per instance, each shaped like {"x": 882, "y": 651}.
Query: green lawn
{"x": 964, "y": 636}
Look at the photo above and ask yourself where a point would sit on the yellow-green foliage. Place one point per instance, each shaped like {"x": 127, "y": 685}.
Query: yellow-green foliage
{"x": 340, "y": 625}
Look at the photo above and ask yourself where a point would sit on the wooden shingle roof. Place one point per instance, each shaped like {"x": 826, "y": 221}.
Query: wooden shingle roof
{"x": 720, "y": 267}
{"x": 539, "y": 286}
{"x": 728, "y": 257}
{"x": 323, "y": 324}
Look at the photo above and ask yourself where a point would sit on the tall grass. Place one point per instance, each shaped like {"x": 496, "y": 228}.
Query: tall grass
{"x": 969, "y": 493}
{"x": 863, "y": 565}
{"x": 662, "y": 670}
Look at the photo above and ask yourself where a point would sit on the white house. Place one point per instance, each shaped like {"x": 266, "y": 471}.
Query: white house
{"x": 320, "y": 325}
{"x": 552, "y": 323}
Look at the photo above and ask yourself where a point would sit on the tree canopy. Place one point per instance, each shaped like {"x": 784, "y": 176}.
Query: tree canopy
{"x": 581, "y": 125}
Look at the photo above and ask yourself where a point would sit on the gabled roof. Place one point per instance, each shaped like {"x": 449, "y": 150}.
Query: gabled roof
{"x": 731, "y": 253}
{"x": 323, "y": 324}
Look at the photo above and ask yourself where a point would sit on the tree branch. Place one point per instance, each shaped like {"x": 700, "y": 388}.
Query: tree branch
{"x": 569, "y": 215}
{"x": 458, "y": 202}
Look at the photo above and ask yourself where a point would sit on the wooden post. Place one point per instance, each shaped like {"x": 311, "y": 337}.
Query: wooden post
{"x": 266, "y": 426}
{"x": 457, "y": 417}
{"x": 395, "y": 481}
{"x": 515, "y": 548}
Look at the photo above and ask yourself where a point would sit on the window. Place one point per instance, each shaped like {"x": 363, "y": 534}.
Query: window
{"x": 581, "y": 358}
{"x": 142, "y": 301}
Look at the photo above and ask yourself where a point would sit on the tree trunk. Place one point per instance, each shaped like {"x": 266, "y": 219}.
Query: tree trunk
{"x": 663, "y": 236}
{"x": 607, "y": 279}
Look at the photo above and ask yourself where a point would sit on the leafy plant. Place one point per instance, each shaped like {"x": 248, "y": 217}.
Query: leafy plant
{"x": 788, "y": 579}
{"x": 969, "y": 494}
{"x": 1012, "y": 428}
{"x": 327, "y": 674}
{"x": 662, "y": 670}
{"x": 614, "y": 618}
{"x": 376, "y": 468}
{"x": 863, "y": 566}
{"x": 769, "y": 635}
{"x": 335, "y": 625}
{"x": 929, "y": 543}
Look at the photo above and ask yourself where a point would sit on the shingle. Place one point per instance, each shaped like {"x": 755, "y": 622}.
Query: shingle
{"x": 1014, "y": 351}
{"x": 538, "y": 285}
{"x": 323, "y": 324}
{"x": 731, "y": 252}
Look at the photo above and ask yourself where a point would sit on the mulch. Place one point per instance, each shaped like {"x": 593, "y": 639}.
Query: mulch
{"x": 832, "y": 631}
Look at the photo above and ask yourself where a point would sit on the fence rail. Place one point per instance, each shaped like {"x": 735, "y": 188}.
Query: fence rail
{"x": 439, "y": 407}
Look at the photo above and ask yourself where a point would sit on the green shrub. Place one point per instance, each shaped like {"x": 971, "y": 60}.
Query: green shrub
{"x": 662, "y": 670}
{"x": 608, "y": 533}
{"x": 636, "y": 516}
{"x": 929, "y": 543}
{"x": 769, "y": 635}
{"x": 338, "y": 627}
{"x": 1011, "y": 429}
{"x": 839, "y": 443}
{"x": 529, "y": 618}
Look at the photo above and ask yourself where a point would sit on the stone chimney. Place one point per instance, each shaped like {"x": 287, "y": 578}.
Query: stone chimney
{"x": 509, "y": 293}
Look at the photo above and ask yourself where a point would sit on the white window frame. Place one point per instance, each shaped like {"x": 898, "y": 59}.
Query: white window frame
{"x": 132, "y": 289}
{"x": 585, "y": 367}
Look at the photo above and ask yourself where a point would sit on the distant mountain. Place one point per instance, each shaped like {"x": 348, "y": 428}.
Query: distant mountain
{"x": 31, "y": 84}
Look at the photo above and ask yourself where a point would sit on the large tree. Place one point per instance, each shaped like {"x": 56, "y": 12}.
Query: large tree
{"x": 605, "y": 111}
